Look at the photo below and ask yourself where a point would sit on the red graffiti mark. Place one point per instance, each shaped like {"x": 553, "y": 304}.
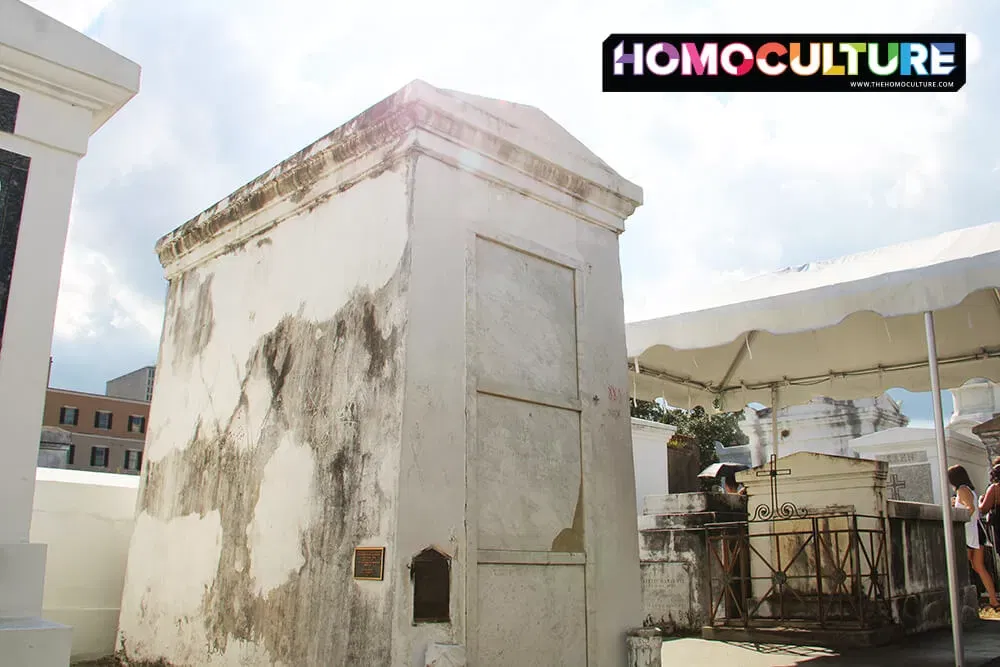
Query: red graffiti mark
{"x": 615, "y": 393}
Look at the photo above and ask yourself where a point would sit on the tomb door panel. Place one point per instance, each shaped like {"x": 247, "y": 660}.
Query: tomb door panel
{"x": 526, "y": 513}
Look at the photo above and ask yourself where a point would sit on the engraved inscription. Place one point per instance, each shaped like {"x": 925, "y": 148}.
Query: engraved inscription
{"x": 667, "y": 589}
{"x": 369, "y": 563}
{"x": 903, "y": 458}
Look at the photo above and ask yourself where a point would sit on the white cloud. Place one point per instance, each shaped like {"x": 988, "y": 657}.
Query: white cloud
{"x": 94, "y": 298}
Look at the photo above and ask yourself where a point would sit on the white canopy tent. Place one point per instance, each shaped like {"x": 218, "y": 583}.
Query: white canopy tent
{"x": 915, "y": 315}
{"x": 843, "y": 328}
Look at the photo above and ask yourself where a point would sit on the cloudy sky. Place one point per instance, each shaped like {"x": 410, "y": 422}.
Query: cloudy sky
{"x": 734, "y": 184}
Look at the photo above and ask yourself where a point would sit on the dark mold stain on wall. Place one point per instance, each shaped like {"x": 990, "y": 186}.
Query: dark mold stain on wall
{"x": 335, "y": 387}
{"x": 847, "y": 413}
{"x": 190, "y": 316}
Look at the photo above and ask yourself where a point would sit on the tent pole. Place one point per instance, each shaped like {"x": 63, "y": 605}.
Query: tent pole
{"x": 944, "y": 486}
{"x": 774, "y": 421}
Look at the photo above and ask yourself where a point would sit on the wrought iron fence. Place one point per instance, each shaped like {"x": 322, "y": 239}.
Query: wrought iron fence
{"x": 828, "y": 571}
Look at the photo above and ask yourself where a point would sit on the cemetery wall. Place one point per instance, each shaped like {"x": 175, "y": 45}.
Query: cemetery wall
{"x": 918, "y": 570}
{"x": 86, "y": 520}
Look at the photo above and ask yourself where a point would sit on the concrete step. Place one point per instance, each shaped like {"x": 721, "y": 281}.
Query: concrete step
{"x": 22, "y": 579}
{"x": 34, "y": 642}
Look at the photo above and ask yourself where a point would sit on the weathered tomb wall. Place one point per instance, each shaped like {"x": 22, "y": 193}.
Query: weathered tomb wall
{"x": 273, "y": 448}
{"x": 918, "y": 572}
{"x": 676, "y": 560}
{"x": 508, "y": 432}
{"x": 545, "y": 485}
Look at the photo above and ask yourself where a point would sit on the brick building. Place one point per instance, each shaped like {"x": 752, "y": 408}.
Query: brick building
{"x": 93, "y": 432}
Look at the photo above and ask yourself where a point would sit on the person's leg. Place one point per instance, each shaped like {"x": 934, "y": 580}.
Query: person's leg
{"x": 979, "y": 565}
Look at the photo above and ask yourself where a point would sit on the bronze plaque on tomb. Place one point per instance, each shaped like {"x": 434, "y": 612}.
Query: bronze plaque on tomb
{"x": 369, "y": 563}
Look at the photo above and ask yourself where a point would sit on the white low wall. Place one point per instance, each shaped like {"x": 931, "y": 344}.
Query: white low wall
{"x": 86, "y": 520}
{"x": 649, "y": 454}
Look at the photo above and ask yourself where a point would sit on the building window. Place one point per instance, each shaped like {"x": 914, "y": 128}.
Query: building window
{"x": 102, "y": 420}
{"x": 136, "y": 424}
{"x": 69, "y": 416}
{"x": 70, "y": 455}
{"x": 99, "y": 457}
{"x": 133, "y": 459}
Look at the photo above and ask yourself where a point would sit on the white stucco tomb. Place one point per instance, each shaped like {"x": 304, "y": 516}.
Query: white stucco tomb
{"x": 649, "y": 454}
{"x": 821, "y": 426}
{"x": 57, "y": 87}
{"x": 989, "y": 434}
{"x": 913, "y": 461}
{"x": 408, "y": 336}
{"x": 976, "y": 401}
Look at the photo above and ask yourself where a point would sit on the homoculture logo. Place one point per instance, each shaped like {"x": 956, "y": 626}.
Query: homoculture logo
{"x": 790, "y": 63}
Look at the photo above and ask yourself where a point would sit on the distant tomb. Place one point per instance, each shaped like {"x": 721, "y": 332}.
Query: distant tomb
{"x": 650, "y": 454}
{"x": 823, "y": 425}
{"x": 912, "y": 456}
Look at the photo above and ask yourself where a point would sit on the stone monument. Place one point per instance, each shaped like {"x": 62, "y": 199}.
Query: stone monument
{"x": 391, "y": 423}
{"x": 649, "y": 451}
{"x": 54, "y": 447}
{"x": 913, "y": 460}
{"x": 989, "y": 434}
{"x": 57, "y": 87}
{"x": 976, "y": 401}
{"x": 822, "y": 426}
{"x": 675, "y": 556}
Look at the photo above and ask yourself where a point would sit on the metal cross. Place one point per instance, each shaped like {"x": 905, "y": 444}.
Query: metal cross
{"x": 894, "y": 487}
{"x": 772, "y": 471}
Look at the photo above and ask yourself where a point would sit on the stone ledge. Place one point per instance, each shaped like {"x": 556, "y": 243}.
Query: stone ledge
{"x": 904, "y": 509}
{"x": 34, "y": 642}
{"x": 691, "y": 503}
{"x": 694, "y": 521}
{"x": 655, "y": 429}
